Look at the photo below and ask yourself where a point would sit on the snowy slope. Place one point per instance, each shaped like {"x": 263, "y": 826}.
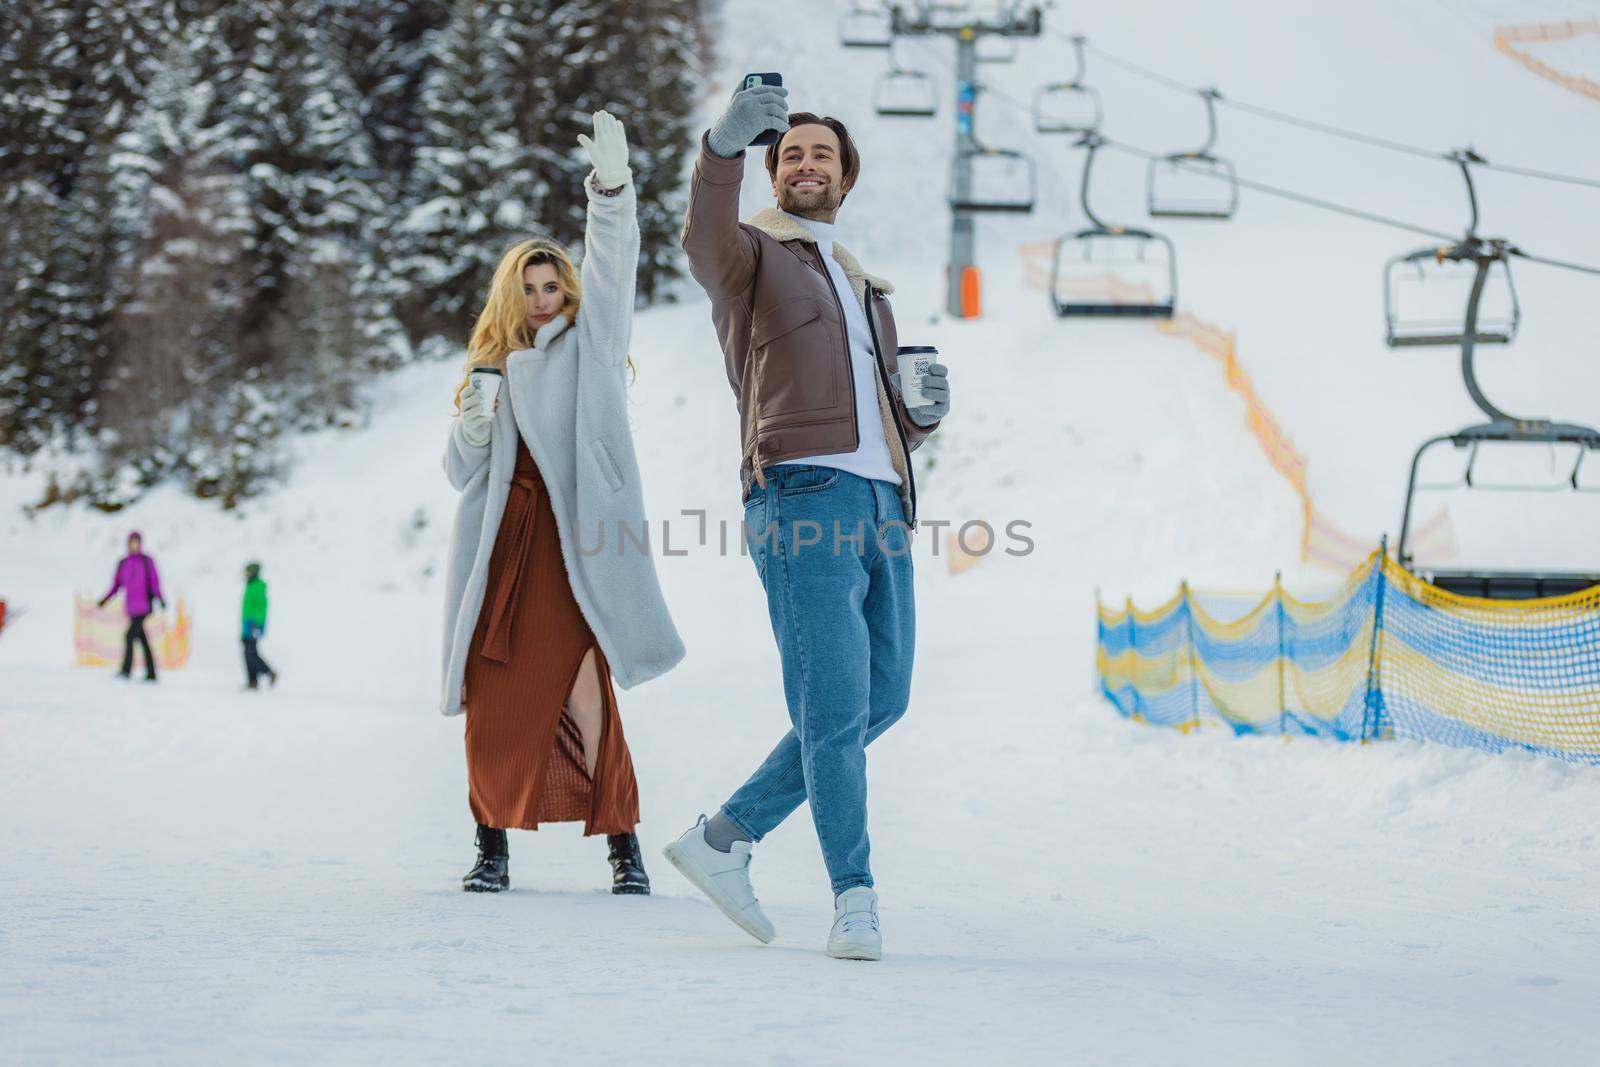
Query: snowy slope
{"x": 189, "y": 872}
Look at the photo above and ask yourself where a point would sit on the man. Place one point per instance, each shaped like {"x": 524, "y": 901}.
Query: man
{"x": 136, "y": 577}
{"x": 253, "y": 624}
{"x": 809, "y": 342}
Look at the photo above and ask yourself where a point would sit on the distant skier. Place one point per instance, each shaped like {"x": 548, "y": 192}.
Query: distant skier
{"x": 254, "y": 624}
{"x": 140, "y": 584}
{"x": 809, "y": 342}
{"x": 534, "y": 626}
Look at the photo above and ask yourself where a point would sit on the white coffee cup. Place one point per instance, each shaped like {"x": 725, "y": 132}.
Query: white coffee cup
{"x": 914, "y": 362}
{"x": 486, "y": 380}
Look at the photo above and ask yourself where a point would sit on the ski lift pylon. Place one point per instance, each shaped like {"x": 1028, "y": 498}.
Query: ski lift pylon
{"x": 1110, "y": 271}
{"x": 1422, "y": 289}
{"x": 1069, "y": 106}
{"x": 1181, "y": 185}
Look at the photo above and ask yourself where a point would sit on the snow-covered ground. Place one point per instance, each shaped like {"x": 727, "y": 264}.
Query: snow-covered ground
{"x": 192, "y": 873}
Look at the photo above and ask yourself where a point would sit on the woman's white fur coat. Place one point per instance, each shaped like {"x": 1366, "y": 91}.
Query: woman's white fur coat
{"x": 567, "y": 397}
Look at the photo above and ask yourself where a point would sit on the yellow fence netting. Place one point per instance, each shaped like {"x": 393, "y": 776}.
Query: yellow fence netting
{"x": 97, "y": 634}
{"x": 1388, "y": 656}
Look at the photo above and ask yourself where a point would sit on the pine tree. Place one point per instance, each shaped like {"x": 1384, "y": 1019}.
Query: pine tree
{"x": 473, "y": 193}
{"x": 70, "y": 70}
{"x": 385, "y": 46}
{"x": 27, "y": 413}
{"x": 640, "y": 60}
{"x": 176, "y": 355}
{"x": 215, "y": 214}
{"x": 287, "y": 119}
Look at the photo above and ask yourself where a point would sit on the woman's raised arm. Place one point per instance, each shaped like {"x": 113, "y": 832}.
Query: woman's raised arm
{"x": 610, "y": 247}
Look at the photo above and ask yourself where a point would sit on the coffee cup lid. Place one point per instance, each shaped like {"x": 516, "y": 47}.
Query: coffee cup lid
{"x": 488, "y": 370}
{"x": 915, "y": 348}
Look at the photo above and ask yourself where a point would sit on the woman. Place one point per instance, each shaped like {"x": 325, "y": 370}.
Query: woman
{"x": 136, "y": 577}
{"x": 538, "y": 623}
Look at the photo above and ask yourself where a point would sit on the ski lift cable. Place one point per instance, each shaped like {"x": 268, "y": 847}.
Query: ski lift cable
{"x": 1312, "y": 201}
{"x": 1289, "y": 194}
{"x": 1323, "y": 127}
{"x": 1303, "y": 198}
{"x": 1546, "y": 175}
{"x": 1344, "y": 209}
{"x": 1563, "y": 264}
{"x": 1270, "y": 190}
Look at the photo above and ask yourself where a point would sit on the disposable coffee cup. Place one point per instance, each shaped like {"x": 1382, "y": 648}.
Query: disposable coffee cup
{"x": 486, "y": 380}
{"x": 914, "y": 362}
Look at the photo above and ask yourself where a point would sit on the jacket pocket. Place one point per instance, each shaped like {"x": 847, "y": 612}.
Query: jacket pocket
{"x": 797, "y": 359}
{"x": 609, "y": 468}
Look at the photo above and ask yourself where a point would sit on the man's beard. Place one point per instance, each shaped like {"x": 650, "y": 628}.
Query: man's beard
{"x": 809, "y": 203}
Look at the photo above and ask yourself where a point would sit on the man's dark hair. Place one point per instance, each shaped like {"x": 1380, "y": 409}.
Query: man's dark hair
{"x": 848, "y": 156}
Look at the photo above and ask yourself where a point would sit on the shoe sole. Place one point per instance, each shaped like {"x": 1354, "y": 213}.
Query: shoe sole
{"x": 630, "y": 890}
{"x": 485, "y": 887}
{"x": 713, "y": 893}
{"x": 856, "y": 953}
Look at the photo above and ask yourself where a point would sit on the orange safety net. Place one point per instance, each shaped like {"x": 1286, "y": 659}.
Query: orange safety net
{"x": 1507, "y": 39}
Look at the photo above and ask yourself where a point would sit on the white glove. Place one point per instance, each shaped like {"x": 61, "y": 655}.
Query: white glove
{"x": 608, "y": 151}
{"x": 474, "y": 420}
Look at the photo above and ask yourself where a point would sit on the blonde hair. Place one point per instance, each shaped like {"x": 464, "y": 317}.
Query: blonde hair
{"x": 502, "y": 325}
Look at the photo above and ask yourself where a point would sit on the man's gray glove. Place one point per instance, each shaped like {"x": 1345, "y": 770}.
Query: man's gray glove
{"x": 761, "y": 107}
{"x": 936, "y": 387}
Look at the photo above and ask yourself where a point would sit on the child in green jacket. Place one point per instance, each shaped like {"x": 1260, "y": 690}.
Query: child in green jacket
{"x": 254, "y": 625}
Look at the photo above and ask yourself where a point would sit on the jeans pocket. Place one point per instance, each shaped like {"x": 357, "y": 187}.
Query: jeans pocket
{"x": 758, "y": 537}
{"x": 806, "y": 479}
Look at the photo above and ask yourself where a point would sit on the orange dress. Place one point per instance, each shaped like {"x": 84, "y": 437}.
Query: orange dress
{"x": 524, "y": 753}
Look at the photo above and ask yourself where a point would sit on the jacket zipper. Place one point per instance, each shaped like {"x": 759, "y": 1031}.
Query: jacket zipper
{"x": 844, "y": 330}
{"x": 894, "y": 412}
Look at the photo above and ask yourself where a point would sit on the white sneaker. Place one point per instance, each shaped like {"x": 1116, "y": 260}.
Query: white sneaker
{"x": 722, "y": 876}
{"x": 855, "y": 933}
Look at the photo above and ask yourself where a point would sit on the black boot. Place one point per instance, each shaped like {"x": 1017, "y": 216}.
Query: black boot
{"x": 491, "y": 873}
{"x": 627, "y": 865}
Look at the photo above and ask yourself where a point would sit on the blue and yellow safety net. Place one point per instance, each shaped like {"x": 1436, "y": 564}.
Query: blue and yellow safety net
{"x": 1388, "y": 656}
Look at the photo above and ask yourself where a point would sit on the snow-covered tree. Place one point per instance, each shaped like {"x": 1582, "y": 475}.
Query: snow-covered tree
{"x": 639, "y": 59}
{"x": 288, "y": 120}
{"x": 176, "y": 322}
{"x": 231, "y": 206}
{"x": 472, "y": 192}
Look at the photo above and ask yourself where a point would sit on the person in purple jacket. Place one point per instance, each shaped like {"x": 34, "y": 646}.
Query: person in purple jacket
{"x": 141, "y": 586}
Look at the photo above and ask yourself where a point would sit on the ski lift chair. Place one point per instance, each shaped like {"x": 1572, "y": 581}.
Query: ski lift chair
{"x": 1109, "y": 271}
{"x": 1002, "y": 181}
{"x": 863, "y": 27}
{"x": 1181, "y": 185}
{"x": 1069, "y": 106}
{"x": 1422, "y": 290}
{"x": 901, "y": 93}
{"x": 1497, "y": 584}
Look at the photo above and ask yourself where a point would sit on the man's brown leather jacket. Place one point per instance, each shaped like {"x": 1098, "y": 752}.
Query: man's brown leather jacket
{"x": 783, "y": 334}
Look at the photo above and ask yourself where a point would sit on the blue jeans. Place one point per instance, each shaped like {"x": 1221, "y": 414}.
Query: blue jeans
{"x": 834, "y": 553}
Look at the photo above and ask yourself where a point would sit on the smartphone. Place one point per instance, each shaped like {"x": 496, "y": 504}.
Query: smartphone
{"x": 750, "y": 81}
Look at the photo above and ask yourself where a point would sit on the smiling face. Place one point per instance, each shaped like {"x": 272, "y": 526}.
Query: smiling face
{"x": 541, "y": 289}
{"x": 809, "y": 180}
